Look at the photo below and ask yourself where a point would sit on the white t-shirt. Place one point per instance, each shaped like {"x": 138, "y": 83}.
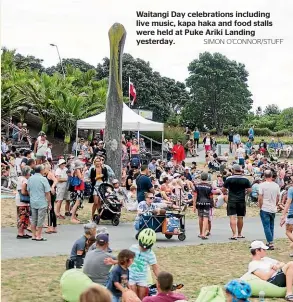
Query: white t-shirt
{"x": 270, "y": 190}
{"x": 21, "y": 180}
{"x": 240, "y": 152}
{"x": 17, "y": 164}
{"x": 61, "y": 173}
{"x": 264, "y": 265}
{"x": 208, "y": 141}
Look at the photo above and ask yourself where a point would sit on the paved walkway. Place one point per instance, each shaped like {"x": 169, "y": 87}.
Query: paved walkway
{"x": 122, "y": 237}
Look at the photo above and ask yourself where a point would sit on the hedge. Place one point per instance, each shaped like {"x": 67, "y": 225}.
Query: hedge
{"x": 177, "y": 133}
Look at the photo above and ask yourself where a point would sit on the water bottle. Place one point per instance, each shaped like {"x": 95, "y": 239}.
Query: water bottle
{"x": 261, "y": 296}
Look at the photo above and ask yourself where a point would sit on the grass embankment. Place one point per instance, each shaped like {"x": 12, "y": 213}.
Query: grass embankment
{"x": 37, "y": 279}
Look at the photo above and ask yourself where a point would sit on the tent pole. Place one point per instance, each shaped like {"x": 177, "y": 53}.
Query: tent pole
{"x": 162, "y": 144}
{"x": 76, "y": 137}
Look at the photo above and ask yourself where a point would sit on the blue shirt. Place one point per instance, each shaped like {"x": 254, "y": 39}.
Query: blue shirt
{"x": 139, "y": 269}
{"x": 255, "y": 190}
{"x": 290, "y": 196}
{"x": 273, "y": 145}
{"x": 37, "y": 187}
{"x": 251, "y": 133}
{"x": 120, "y": 275}
{"x": 144, "y": 184}
{"x": 152, "y": 167}
{"x": 196, "y": 134}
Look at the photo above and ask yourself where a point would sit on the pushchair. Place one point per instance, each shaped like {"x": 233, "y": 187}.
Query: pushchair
{"x": 171, "y": 224}
{"x": 272, "y": 155}
{"x": 110, "y": 205}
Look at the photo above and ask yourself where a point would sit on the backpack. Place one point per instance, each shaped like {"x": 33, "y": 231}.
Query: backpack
{"x": 134, "y": 162}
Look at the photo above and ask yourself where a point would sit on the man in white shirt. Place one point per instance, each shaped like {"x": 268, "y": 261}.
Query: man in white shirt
{"x": 268, "y": 198}
{"x": 271, "y": 270}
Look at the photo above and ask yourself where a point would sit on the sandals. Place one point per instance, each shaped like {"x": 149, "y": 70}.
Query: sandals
{"x": 203, "y": 237}
{"x": 241, "y": 237}
{"x": 233, "y": 238}
{"x": 289, "y": 298}
{"x": 21, "y": 237}
{"x": 42, "y": 239}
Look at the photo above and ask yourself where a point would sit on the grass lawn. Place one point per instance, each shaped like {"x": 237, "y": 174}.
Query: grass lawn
{"x": 37, "y": 279}
{"x": 8, "y": 213}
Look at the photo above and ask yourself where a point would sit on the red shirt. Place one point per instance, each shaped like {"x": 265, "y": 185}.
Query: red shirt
{"x": 163, "y": 297}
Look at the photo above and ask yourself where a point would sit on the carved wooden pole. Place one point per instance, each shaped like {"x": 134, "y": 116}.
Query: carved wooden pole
{"x": 114, "y": 108}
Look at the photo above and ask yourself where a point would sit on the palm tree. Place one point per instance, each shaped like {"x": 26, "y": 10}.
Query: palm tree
{"x": 40, "y": 91}
{"x": 67, "y": 109}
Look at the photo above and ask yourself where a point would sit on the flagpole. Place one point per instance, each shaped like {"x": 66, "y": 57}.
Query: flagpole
{"x": 129, "y": 92}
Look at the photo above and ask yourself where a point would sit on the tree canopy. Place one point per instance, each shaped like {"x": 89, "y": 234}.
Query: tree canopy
{"x": 216, "y": 94}
{"x": 219, "y": 93}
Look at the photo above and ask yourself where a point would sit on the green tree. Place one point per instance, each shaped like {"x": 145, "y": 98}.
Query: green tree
{"x": 10, "y": 76}
{"x": 219, "y": 92}
{"x": 272, "y": 109}
{"x": 75, "y": 63}
{"x": 67, "y": 109}
{"x": 154, "y": 92}
{"x": 40, "y": 91}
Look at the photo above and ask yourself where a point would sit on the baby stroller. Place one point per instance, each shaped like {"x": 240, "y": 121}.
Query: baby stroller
{"x": 110, "y": 206}
{"x": 272, "y": 155}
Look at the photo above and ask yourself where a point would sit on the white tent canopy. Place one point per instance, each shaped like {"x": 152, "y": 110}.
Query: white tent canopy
{"x": 130, "y": 121}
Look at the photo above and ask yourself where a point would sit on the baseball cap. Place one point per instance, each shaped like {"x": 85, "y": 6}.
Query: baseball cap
{"x": 176, "y": 175}
{"x": 258, "y": 245}
{"x": 237, "y": 168}
{"x": 102, "y": 239}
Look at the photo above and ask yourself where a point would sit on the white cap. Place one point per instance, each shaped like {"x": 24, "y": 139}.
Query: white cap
{"x": 258, "y": 245}
{"x": 176, "y": 175}
{"x": 61, "y": 161}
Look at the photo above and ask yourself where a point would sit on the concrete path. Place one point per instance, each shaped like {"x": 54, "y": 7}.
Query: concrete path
{"x": 122, "y": 236}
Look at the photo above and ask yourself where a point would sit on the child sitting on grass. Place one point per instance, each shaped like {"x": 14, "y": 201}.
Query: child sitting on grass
{"x": 118, "y": 279}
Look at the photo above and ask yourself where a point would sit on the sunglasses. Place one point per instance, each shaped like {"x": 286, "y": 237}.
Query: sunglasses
{"x": 152, "y": 197}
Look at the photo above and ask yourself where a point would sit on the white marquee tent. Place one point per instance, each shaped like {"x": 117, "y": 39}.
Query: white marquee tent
{"x": 130, "y": 122}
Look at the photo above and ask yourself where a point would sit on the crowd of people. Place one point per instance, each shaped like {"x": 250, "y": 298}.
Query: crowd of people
{"x": 42, "y": 186}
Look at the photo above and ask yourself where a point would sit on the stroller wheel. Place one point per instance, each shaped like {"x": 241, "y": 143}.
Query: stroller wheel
{"x": 136, "y": 236}
{"x": 115, "y": 221}
{"x": 168, "y": 236}
{"x": 96, "y": 219}
{"x": 182, "y": 237}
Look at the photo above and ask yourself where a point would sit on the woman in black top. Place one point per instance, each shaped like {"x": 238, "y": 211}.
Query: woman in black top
{"x": 129, "y": 180}
{"x": 99, "y": 174}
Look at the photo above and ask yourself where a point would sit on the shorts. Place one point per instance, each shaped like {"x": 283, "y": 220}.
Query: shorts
{"x": 289, "y": 220}
{"x": 76, "y": 195}
{"x": 38, "y": 216}
{"x": 95, "y": 191}
{"x": 207, "y": 147}
{"x": 279, "y": 279}
{"x": 62, "y": 193}
{"x": 241, "y": 161}
{"x": 203, "y": 213}
{"x": 236, "y": 209}
{"x": 40, "y": 157}
{"x": 136, "y": 280}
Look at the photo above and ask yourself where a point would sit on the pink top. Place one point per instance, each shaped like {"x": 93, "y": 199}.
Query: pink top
{"x": 163, "y": 297}
{"x": 134, "y": 149}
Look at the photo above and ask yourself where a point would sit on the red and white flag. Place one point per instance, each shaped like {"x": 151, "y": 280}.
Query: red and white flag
{"x": 132, "y": 92}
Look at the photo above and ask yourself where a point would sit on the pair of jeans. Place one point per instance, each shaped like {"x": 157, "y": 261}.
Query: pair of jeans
{"x": 116, "y": 299}
{"x": 268, "y": 222}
